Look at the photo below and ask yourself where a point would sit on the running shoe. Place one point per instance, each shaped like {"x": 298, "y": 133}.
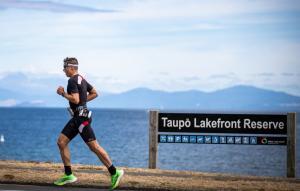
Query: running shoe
{"x": 65, "y": 179}
{"x": 115, "y": 179}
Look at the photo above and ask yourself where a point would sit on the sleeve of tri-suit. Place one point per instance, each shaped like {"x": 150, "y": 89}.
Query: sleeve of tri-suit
{"x": 72, "y": 86}
{"x": 89, "y": 87}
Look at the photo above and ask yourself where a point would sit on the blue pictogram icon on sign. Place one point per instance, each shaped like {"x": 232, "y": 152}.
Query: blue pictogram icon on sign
{"x": 200, "y": 139}
{"x": 163, "y": 139}
{"x": 230, "y": 140}
{"x": 238, "y": 140}
{"x": 223, "y": 140}
{"x": 245, "y": 140}
{"x": 207, "y": 139}
{"x": 193, "y": 139}
{"x": 185, "y": 139}
{"x": 253, "y": 140}
{"x": 177, "y": 139}
{"x": 215, "y": 139}
{"x": 170, "y": 139}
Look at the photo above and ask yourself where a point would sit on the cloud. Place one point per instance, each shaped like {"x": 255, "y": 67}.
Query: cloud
{"x": 229, "y": 76}
{"x": 222, "y": 12}
{"x": 49, "y": 6}
{"x": 288, "y": 74}
{"x": 266, "y": 74}
{"x": 8, "y": 103}
{"x": 192, "y": 27}
{"x": 204, "y": 9}
{"x": 191, "y": 79}
{"x": 31, "y": 83}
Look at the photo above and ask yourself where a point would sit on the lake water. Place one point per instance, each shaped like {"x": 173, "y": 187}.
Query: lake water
{"x": 31, "y": 133}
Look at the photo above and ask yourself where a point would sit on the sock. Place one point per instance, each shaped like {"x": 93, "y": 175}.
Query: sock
{"x": 68, "y": 170}
{"x": 112, "y": 170}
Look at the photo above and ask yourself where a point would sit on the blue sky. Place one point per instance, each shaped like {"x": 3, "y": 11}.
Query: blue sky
{"x": 169, "y": 45}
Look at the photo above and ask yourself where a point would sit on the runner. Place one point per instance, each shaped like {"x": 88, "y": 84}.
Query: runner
{"x": 79, "y": 92}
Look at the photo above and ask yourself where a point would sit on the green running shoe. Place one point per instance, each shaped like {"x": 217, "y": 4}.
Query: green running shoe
{"x": 65, "y": 179}
{"x": 115, "y": 179}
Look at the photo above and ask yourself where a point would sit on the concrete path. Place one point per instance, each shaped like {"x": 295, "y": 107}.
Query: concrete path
{"x": 16, "y": 187}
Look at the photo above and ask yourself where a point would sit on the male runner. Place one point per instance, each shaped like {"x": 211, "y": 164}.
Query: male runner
{"x": 79, "y": 92}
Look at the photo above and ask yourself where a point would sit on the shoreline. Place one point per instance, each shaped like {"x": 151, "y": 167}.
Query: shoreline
{"x": 45, "y": 173}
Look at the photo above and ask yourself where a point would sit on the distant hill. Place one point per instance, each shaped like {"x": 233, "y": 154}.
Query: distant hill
{"x": 5, "y": 94}
{"x": 236, "y": 98}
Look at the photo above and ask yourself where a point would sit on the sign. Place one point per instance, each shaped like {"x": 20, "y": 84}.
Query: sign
{"x": 233, "y": 129}
{"x": 217, "y": 139}
{"x": 222, "y": 123}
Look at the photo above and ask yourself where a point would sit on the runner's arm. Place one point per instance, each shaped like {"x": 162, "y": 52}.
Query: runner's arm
{"x": 92, "y": 94}
{"x": 74, "y": 97}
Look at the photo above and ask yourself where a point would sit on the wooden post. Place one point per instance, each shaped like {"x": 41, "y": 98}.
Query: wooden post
{"x": 291, "y": 145}
{"x": 153, "y": 127}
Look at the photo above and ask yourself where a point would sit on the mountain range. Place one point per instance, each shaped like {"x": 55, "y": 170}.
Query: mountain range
{"x": 236, "y": 98}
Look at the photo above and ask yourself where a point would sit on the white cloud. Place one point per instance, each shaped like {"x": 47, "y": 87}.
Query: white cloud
{"x": 37, "y": 102}
{"x": 191, "y": 9}
{"x": 8, "y": 103}
{"x": 51, "y": 6}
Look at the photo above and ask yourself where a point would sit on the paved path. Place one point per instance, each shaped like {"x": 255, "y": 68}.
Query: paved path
{"x": 16, "y": 187}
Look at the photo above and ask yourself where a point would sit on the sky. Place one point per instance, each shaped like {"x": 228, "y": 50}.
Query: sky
{"x": 169, "y": 45}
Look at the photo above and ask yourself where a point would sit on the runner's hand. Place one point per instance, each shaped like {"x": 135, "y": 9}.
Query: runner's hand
{"x": 60, "y": 90}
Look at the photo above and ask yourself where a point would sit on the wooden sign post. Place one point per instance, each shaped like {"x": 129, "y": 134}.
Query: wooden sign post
{"x": 291, "y": 145}
{"x": 153, "y": 127}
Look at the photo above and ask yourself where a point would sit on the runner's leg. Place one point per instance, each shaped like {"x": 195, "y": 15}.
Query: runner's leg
{"x": 62, "y": 143}
{"x": 100, "y": 152}
{"x": 88, "y": 135}
{"x": 67, "y": 134}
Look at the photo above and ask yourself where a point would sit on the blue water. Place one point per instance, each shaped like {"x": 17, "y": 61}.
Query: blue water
{"x": 31, "y": 134}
